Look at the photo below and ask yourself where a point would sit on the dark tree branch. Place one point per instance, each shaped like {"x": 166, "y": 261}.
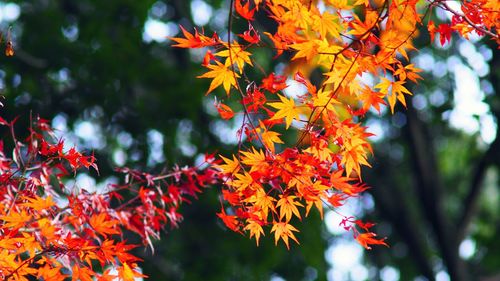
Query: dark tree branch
{"x": 392, "y": 206}
{"x": 429, "y": 190}
{"x": 471, "y": 200}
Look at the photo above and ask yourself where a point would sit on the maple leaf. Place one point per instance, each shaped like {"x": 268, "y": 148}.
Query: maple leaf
{"x": 397, "y": 91}
{"x": 128, "y": 274}
{"x": 288, "y": 207}
{"x": 47, "y": 229}
{"x": 366, "y": 239}
{"x": 327, "y": 23}
{"x": 274, "y": 83}
{"x": 335, "y": 200}
{"x": 243, "y": 181}
{"x": 444, "y": 33}
{"x": 365, "y": 225}
{"x": 339, "y": 182}
{"x": 221, "y": 75}
{"x": 231, "y": 197}
{"x": 361, "y": 28}
{"x": 230, "y": 166}
{"x": 235, "y": 55}
{"x": 244, "y": 10}
{"x": 15, "y": 219}
{"x": 311, "y": 89}
{"x": 73, "y": 157}
{"x": 102, "y": 224}
{"x": 409, "y": 71}
{"x": 284, "y": 231}
{"x": 255, "y": 229}
{"x": 353, "y": 156}
{"x": 225, "y": 111}
{"x": 263, "y": 202}
{"x": 369, "y": 98}
{"x": 81, "y": 273}
{"x": 269, "y": 138}
{"x": 39, "y": 203}
{"x": 287, "y": 110}
{"x": 255, "y": 159}
{"x": 325, "y": 99}
{"x": 194, "y": 41}
{"x": 432, "y": 29}
{"x": 307, "y": 49}
{"x": 230, "y": 221}
{"x": 279, "y": 44}
{"x": 48, "y": 272}
{"x": 106, "y": 276}
{"x": 251, "y": 35}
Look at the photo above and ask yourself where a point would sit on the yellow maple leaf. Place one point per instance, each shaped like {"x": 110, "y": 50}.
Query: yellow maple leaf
{"x": 353, "y": 157}
{"x": 126, "y": 273}
{"x": 263, "y": 203}
{"x": 269, "y": 138}
{"x": 340, "y": 4}
{"x": 288, "y": 207}
{"x": 327, "y": 23}
{"x": 307, "y": 49}
{"x": 230, "y": 166}
{"x": 255, "y": 229}
{"x": 243, "y": 181}
{"x": 287, "y": 110}
{"x": 325, "y": 99}
{"x": 237, "y": 56}
{"x": 221, "y": 74}
{"x": 284, "y": 230}
{"x": 393, "y": 90}
{"x": 256, "y": 160}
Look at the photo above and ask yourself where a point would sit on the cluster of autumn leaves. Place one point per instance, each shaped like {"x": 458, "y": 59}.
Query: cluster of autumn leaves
{"x": 52, "y": 232}
{"x": 361, "y": 49}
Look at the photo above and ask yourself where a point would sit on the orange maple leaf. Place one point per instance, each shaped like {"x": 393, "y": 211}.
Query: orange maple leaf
{"x": 230, "y": 221}
{"x": 225, "y": 111}
{"x": 102, "y": 224}
{"x": 39, "y": 203}
{"x": 366, "y": 239}
{"x": 244, "y": 10}
{"x": 222, "y": 75}
{"x": 194, "y": 41}
{"x": 82, "y": 273}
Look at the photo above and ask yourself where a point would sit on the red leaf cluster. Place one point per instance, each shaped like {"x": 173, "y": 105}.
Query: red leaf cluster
{"x": 52, "y": 230}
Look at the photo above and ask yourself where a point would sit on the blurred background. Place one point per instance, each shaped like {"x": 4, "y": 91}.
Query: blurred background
{"x": 105, "y": 75}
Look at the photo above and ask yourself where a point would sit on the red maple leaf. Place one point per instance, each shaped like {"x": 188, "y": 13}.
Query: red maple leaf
{"x": 244, "y": 10}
